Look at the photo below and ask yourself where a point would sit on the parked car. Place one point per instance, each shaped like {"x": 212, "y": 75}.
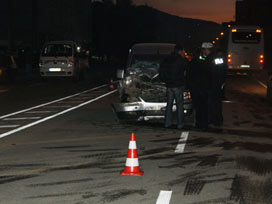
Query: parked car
{"x": 62, "y": 59}
{"x": 142, "y": 93}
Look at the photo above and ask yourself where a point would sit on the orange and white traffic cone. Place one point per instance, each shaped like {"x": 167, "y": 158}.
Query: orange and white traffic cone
{"x": 111, "y": 85}
{"x": 132, "y": 164}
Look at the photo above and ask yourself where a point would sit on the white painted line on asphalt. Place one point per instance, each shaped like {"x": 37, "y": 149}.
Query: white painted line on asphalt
{"x": 31, "y": 112}
{"x": 37, "y": 84}
{"x": 164, "y": 197}
{"x": 45, "y": 104}
{"x": 8, "y": 126}
{"x": 182, "y": 142}
{"x": 229, "y": 102}
{"x": 2, "y": 91}
{"x": 60, "y": 106}
{"x": 55, "y": 115}
{"x": 262, "y": 84}
{"x": 22, "y": 118}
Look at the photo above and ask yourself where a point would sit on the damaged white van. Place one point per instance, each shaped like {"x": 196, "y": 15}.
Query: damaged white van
{"x": 142, "y": 94}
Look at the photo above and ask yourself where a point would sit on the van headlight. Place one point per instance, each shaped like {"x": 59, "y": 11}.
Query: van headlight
{"x": 128, "y": 81}
{"x": 70, "y": 64}
{"x": 41, "y": 63}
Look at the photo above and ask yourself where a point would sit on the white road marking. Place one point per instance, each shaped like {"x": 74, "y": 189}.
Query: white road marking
{"x": 45, "y": 104}
{"x": 31, "y": 112}
{"x": 60, "y": 106}
{"x": 37, "y": 84}
{"x": 55, "y": 115}
{"x": 4, "y": 90}
{"x": 164, "y": 197}
{"x": 262, "y": 84}
{"x": 22, "y": 118}
{"x": 9, "y": 126}
{"x": 182, "y": 142}
{"x": 229, "y": 102}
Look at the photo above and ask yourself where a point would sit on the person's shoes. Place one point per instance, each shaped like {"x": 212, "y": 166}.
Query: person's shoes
{"x": 201, "y": 129}
{"x": 218, "y": 124}
{"x": 180, "y": 127}
{"x": 168, "y": 127}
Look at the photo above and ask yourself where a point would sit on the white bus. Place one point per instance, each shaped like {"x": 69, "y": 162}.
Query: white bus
{"x": 245, "y": 51}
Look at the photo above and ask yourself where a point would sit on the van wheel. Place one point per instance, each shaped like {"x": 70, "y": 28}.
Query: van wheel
{"x": 76, "y": 77}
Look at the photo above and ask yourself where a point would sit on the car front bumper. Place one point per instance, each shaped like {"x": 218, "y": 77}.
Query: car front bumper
{"x": 143, "y": 111}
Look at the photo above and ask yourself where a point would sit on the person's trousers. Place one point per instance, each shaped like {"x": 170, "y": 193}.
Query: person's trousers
{"x": 216, "y": 107}
{"x": 201, "y": 101}
{"x": 174, "y": 94}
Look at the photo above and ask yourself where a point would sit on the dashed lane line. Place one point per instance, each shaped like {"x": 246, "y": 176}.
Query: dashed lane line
{"x": 55, "y": 115}
{"x": 8, "y": 126}
{"x": 35, "y": 112}
{"x": 4, "y": 90}
{"x": 262, "y": 84}
{"x": 164, "y": 197}
{"x": 22, "y": 118}
{"x": 182, "y": 142}
{"x": 55, "y": 101}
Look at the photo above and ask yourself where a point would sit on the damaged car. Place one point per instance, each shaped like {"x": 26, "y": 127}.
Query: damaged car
{"x": 142, "y": 93}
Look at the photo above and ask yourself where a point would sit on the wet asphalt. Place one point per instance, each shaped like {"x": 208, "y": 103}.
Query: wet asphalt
{"x": 77, "y": 157}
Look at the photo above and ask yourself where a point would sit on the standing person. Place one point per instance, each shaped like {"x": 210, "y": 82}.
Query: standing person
{"x": 219, "y": 73}
{"x": 28, "y": 63}
{"x": 172, "y": 73}
{"x": 200, "y": 85}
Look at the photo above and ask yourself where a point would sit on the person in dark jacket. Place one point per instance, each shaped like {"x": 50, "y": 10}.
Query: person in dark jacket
{"x": 219, "y": 73}
{"x": 200, "y": 76}
{"x": 172, "y": 73}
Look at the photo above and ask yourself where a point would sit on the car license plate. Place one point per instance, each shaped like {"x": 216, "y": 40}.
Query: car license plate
{"x": 54, "y": 69}
{"x": 245, "y": 66}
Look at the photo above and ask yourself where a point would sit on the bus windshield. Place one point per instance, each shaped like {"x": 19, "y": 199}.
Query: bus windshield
{"x": 246, "y": 37}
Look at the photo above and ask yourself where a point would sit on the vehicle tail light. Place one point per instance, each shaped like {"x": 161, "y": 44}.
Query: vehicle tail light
{"x": 258, "y": 31}
{"x": 85, "y": 64}
{"x": 261, "y": 59}
{"x": 229, "y": 58}
{"x": 234, "y": 30}
{"x": 189, "y": 95}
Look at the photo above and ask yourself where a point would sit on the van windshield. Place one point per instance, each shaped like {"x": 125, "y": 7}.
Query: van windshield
{"x": 53, "y": 50}
{"x": 146, "y": 61}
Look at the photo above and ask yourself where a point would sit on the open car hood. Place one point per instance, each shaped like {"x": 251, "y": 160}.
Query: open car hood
{"x": 143, "y": 83}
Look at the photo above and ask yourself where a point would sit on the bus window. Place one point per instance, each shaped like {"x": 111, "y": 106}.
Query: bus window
{"x": 246, "y": 37}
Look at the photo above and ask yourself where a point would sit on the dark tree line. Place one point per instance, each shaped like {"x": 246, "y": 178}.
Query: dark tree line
{"x": 116, "y": 27}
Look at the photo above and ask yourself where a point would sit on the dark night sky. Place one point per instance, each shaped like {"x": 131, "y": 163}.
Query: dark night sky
{"x": 213, "y": 10}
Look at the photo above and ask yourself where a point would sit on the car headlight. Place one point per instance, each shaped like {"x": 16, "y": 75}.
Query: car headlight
{"x": 132, "y": 72}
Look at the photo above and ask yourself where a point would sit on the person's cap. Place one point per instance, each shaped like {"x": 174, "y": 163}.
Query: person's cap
{"x": 179, "y": 47}
{"x": 206, "y": 45}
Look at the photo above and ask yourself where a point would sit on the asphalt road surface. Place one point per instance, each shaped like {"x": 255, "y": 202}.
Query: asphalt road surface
{"x": 61, "y": 143}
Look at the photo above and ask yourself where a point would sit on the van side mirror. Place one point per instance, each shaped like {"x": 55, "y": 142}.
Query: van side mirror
{"x": 120, "y": 74}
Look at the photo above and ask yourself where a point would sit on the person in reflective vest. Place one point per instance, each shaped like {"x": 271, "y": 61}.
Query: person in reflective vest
{"x": 200, "y": 85}
{"x": 219, "y": 73}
